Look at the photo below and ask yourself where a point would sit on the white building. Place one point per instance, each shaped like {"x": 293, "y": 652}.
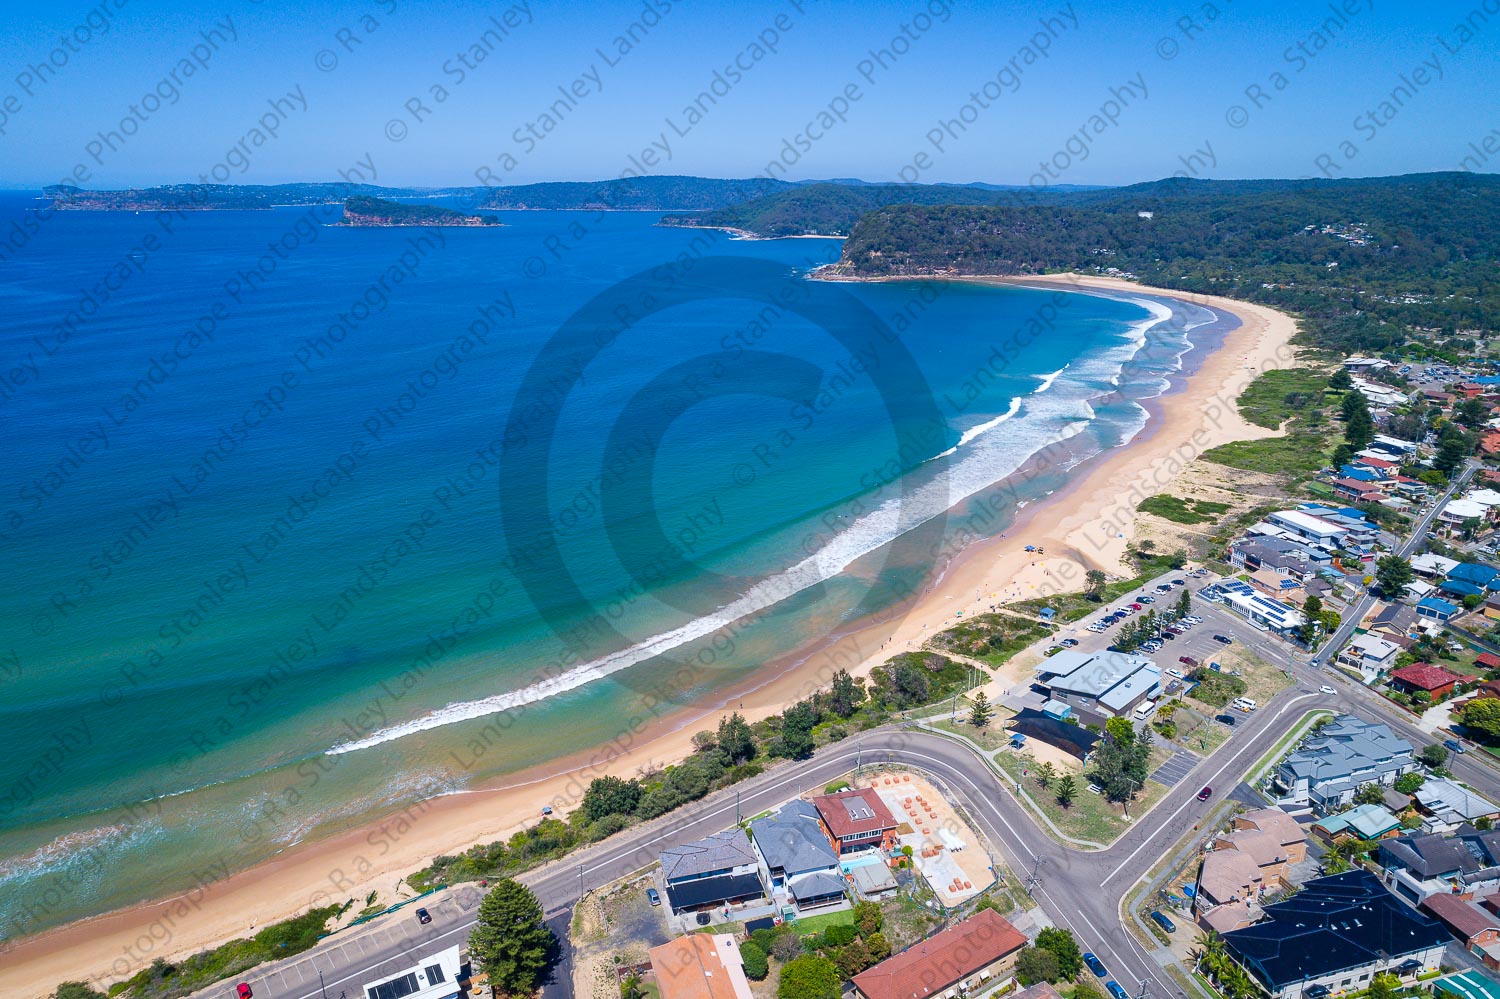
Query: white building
{"x": 1369, "y": 655}
{"x": 1305, "y": 525}
{"x": 1100, "y": 685}
{"x": 434, "y": 977}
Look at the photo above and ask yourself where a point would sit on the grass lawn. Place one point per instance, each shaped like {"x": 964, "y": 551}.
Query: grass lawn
{"x": 1090, "y": 817}
{"x": 819, "y": 923}
{"x": 990, "y": 638}
{"x": 1182, "y": 511}
{"x": 1295, "y": 454}
{"x": 1197, "y": 731}
{"x": 1069, "y": 606}
{"x": 1276, "y": 396}
{"x": 992, "y": 736}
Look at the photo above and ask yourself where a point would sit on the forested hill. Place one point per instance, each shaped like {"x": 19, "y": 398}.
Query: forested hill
{"x": 1349, "y": 256}
{"x": 632, "y": 193}
{"x": 378, "y": 213}
{"x": 831, "y": 209}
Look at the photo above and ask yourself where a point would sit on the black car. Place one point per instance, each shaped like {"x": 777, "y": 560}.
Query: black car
{"x": 1223, "y": 639}
{"x": 1169, "y": 636}
{"x": 1160, "y": 919}
{"x": 1095, "y": 965}
{"x": 1226, "y": 719}
{"x": 424, "y": 917}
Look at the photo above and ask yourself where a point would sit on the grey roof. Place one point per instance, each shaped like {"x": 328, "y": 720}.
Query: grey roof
{"x": 1113, "y": 678}
{"x": 1429, "y": 855}
{"x": 719, "y": 852}
{"x": 1397, "y": 616}
{"x": 793, "y": 839}
{"x": 819, "y": 884}
{"x": 1346, "y": 747}
{"x": 1449, "y": 800}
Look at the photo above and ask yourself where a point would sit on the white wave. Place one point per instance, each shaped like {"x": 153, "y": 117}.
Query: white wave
{"x": 1051, "y": 419}
{"x": 1047, "y": 380}
{"x": 973, "y": 432}
{"x": 72, "y": 848}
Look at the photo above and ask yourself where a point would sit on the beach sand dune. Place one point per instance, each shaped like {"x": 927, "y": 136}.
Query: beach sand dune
{"x": 1085, "y": 525}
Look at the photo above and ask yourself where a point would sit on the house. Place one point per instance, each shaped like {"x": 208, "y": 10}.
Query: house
{"x": 1099, "y": 685}
{"x": 1393, "y": 622}
{"x": 1279, "y": 824}
{"x": 721, "y": 869}
{"x": 1228, "y": 876}
{"x": 1041, "y": 990}
{"x": 1349, "y": 489}
{"x": 1489, "y": 443}
{"x": 1489, "y": 688}
{"x": 1369, "y": 655}
{"x": 1446, "y": 805}
{"x": 1476, "y": 573}
{"x": 1475, "y": 925}
{"x": 855, "y": 820}
{"x": 1487, "y": 660}
{"x": 1338, "y": 760}
{"x": 1432, "y": 566}
{"x": 433, "y": 977}
{"x": 969, "y": 956}
{"x": 1304, "y": 525}
{"x": 791, "y": 843}
{"x": 1336, "y": 934}
{"x": 1393, "y": 445}
{"x": 816, "y": 890}
{"x": 1275, "y": 584}
{"x": 700, "y": 966}
{"x": 1359, "y": 822}
{"x": 1257, "y": 608}
{"x": 1458, "y": 589}
{"x": 1436, "y": 609}
{"x": 1421, "y": 864}
{"x": 1457, "y": 513}
{"x": 1284, "y": 555}
{"x": 1264, "y": 850}
{"x": 1435, "y": 681}
{"x": 1043, "y": 726}
{"x": 874, "y": 881}
{"x": 1491, "y": 608}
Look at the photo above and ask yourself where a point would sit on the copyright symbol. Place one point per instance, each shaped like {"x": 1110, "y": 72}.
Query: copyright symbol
{"x": 327, "y": 60}
{"x": 810, "y": 545}
{"x": 250, "y": 831}
{"x": 1237, "y": 116}
{"x": 1167, "y": 48}
{"x": 395, "y": 130}
{"x": 42, "y": 624}
{"x": 742, "y": 474}
{"x": 534, "y": 267}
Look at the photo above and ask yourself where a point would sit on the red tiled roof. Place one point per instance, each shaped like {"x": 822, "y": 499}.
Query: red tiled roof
{"x": 1424, "y": 676}
{"x": 1462, "y": 916}
{"x": 1376, "y": 463}
{"x": 930, "y": 966}
{"x": 850, "y": 813}
{"x": 1488, "y": 660}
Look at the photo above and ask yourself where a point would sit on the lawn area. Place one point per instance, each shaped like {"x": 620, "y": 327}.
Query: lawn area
{"x": 1196, "y": 729}
{"x": 992, "y": 736}
{"x": 1264, "y": 679}
{"x": 1090, "y": 817}
{"x": 1182, "y": 511}
{"x": 819, "y": 923}
{"x": 990, "y": 638}
{"x": 1294, "y": 455}
{"x": 1276, "y": 396}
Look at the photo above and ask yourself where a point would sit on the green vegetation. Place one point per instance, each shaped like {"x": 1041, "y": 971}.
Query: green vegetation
{"x": 1297, "y": 454}
{"x": 990, "y": 638}
{"x": 809, "y": 977}
{"x": 1278, "y": 395}
{"x": 163, "y": 980}
{"x": 366, "y": 211}
{"x": 1182, "y": 511}
{"x": 511, "y": 941}
{"x": 1217, "y": 689}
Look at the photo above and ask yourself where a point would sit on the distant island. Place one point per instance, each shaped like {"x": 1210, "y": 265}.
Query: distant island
{"x": 370, "y": 212}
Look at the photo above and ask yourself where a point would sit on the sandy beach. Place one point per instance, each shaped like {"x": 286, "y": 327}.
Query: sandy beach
{"x": 1085, "y": 525}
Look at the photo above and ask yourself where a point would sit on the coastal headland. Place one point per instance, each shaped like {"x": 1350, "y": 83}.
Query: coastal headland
{"x": 1086, "y": 524}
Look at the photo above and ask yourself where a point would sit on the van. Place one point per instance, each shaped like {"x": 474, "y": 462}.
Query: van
{"x": 1144, "y": 709}
{"x": 1245, "y": 704}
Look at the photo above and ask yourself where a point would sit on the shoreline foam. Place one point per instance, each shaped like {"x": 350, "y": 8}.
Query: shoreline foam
{"x": 1085, "y": 523}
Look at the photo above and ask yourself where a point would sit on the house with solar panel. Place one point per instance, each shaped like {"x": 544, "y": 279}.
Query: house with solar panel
{"x": 718, "y": 870}
{"x": 434, "y": 977}
{"x": 1258, "y": 608}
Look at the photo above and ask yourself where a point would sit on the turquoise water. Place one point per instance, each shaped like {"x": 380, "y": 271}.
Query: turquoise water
{"x": 287, "y": 503}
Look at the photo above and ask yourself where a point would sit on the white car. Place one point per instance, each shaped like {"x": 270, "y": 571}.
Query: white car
{"x": 1325, "y": 689}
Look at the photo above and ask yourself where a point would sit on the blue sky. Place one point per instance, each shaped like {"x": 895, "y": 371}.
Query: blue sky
{"x": 1000, "y": 92}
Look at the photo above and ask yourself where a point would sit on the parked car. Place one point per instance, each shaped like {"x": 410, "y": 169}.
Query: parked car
{"x": 1204, "y": 794}
{"x": 243, "y": 990}
{"x": 424, "y": 917}
{"x": 1325, "y": 689}
{"x": 1179, "y": 582}
{"x": 653, "y": 896}
{"x": 1160, "y": 919}
{"x": 1169, "y": 635}
{"x": 1148, "y": 600}
{"x": 1453, "y": 745}
{"x": 1174, "y": 672}
{"x": 1135, "y": 606}
{"x": 1188, "y": 661}
{"x": 1095, "y": 965}
{"x": 1068, "y": 643}
{"x": 1116, "y": 990}
{"x": 1226, "y": 719}
{"x": 1223, "y": 639}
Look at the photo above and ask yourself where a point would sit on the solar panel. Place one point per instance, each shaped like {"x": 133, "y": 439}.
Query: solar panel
{"x": 434, "y": 974}
{"x": 396, "y": 988}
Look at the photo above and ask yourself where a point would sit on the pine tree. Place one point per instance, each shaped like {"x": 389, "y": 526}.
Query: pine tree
{"x": 510, "y": 940}
{"x": 980, "y": 716}
{"x": 1066, "y": 789}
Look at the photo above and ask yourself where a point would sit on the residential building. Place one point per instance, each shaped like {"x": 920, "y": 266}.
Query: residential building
{"x": 1335, "y": 934}
{"x": 1446, "y": 804}
{"x": 855, "y": 820}
{"x": 974, "y": 956}
{"x": 1487, "y": 660}
{"x": 1473, "y": 924}
{"x": 1304, "y": 525}
{"x": 791, "y": 843}
{"x": 1436, "y": 609}
{"x": 1276, "y": 584}
{"x": 1369, "y": 655}
{"x": 1278, "y": 824}
{"x": 1457, "y": 512}
{"x": 1432, "y": 565}
{"x": 433, "y": 977}
{"x": 700, "y": 966}
{"x": 1339, "y": 759}
{"x": 1228, "y": 876}
{"x": 1395, "y": 623}
{"x": 1360, "y": 822}
{"x": 1435, "y": 681}
{"x": 1285, "y": 556}
{"x": 1477, "y": 573}
{"x": 1100, "y": 685}
{"x": 1421, "y": 864}
{"x": 721, "y": 869}
{"x": 874, "y": 881}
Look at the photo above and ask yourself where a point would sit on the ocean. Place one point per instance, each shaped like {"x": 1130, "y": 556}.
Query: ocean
{"x": 306, "y": 524}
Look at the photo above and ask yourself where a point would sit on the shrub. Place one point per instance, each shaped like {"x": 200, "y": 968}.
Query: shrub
{"x": 756, "y": 965}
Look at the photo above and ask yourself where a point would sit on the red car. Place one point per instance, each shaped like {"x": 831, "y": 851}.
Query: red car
{"x": 1204, "y": 794}
{"x": 1187, "y": 660}
{"x": 243, "y": 988}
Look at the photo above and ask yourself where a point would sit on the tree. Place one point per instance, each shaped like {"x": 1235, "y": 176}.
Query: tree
{"x": 632, "y": 987}
{"x": 705, "y": 741}
{"x": 1384, "y": 986}
{"x": 1184, "y": 604}
{"x": 980, "y": 716}
{"x": 76, "y": 990}
{"x": 1370, "y": 794}
{"x": 1393, "y": 572}
{"x": 1083, "y": 990}
{"x": 1312, "y": 608}
{"x": 1353, "y": 402}
{"x": 796, "y": 731}
{"x": 1408, "y": 783}
{"x": 610, "y": 796}
{"x": 1483, "y": 715}
{"x": 510, "y": 941}
{"x": 735, "y": 740}
{"x": 1360, "y": 429}
{"x": 1121, "y": 760}
{"x": 1035, "y": 964}
{"x": 1451, "y": 452}
{"x": 1064, "y": 947}
{"x": 852, "y": 958}
{"x": 809, "y": 977}
{"x": 868, "y": 918}
{"x": 786, "y": 947}
{"x": 845, "y": 695}
{"x": 879, "y": 946}
{"x": 1045, "y": 774}
{"x": 756, "y": 964}
{"x": 1066, "y": 789}
{"x": 1094, "y": 580}
{"x": 1120, "y": 730}
{"x": 1434, "y": 755}
{"x": 1340, "y": 380}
